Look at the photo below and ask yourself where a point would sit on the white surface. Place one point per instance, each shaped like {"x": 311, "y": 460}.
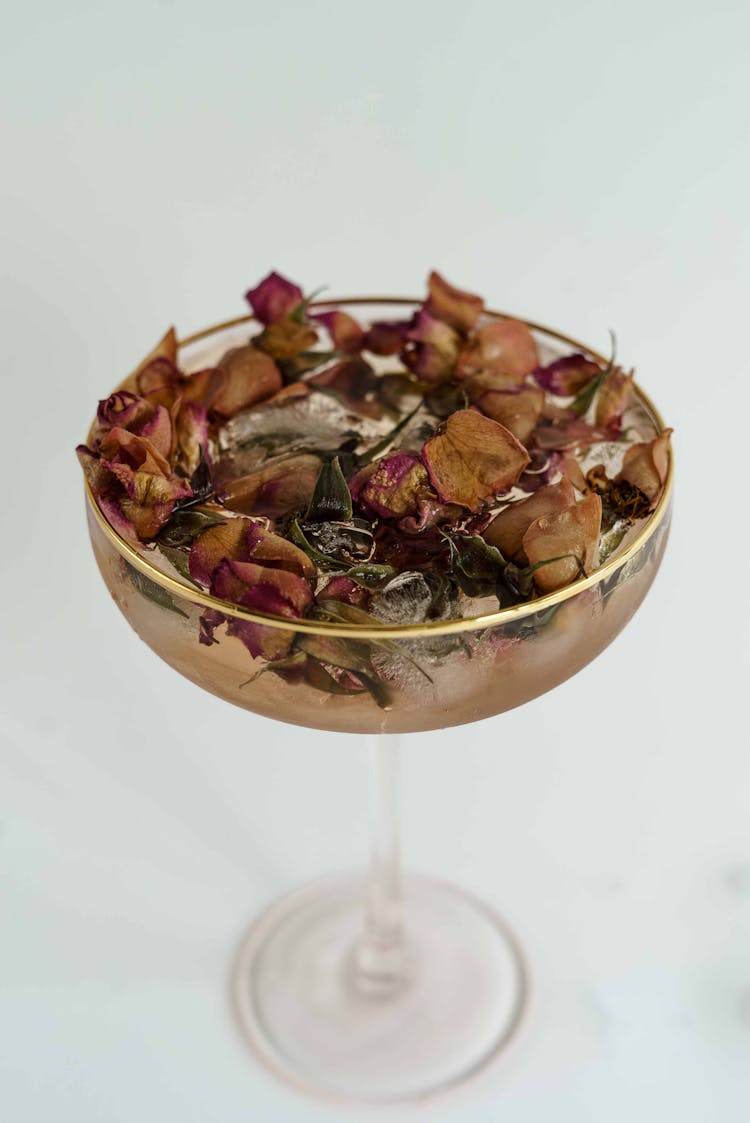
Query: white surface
{"x": 583, "y": 163}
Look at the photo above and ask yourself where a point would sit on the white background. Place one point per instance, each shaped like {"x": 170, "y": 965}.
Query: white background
{"x": 586, "y": 164}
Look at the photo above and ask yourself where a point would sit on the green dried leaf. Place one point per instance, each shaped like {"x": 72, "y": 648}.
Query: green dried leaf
{"x": 152, "y": 591}
{"x": 583, "y": 402}
{"x": 331, "y": 500}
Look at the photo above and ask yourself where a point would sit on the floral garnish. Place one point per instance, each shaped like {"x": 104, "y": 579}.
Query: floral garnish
{"x": 371, "y": 474}
{"x": 274, "y": 299}
{"x": 473, "y": 458}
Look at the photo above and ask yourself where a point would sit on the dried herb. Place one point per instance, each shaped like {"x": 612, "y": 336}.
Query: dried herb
{"x": 331, "y": 500}
{"x": 152, "y": 591}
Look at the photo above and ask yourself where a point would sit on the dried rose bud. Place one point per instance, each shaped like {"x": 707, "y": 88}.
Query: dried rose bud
{"x": 345, "y": 590}
{"x": 392, "y": 486}
{"x": 473, "y": 458}
{"x": 500, "y": 346}
{"x": 646, "y": 465}
{"x": 274, "y": 298}
{"x": 346, "y": 334}
{"x": 566, "y": 376}
{"x": 453, "y": 306}
{"x": 573, "y": 531}
{"x": 518, "y": 408}
{"x": 507, "y": 529}
{"x": 251, "y": 377}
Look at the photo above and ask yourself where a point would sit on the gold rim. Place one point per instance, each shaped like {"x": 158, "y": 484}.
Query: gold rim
{"x": 398, "y": 631}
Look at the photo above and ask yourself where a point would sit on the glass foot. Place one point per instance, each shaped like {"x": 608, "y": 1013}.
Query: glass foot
{"x": 311, "y": 1017}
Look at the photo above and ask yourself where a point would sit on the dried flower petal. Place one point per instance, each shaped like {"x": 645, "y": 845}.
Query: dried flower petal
{"x": 473, "y": 458}
{"x": 566, "y": 376}
{"x": 163, "y": 357}
{"x": 278, "y": 488}
{"x": 245, "y": 540}
{"x": 346, "y": 334}
{"x": 251, "y": 376}
{"x": 507, "y": 529}
{"x": 392, "y": 486}
{"x": 500, "y": 346}
{"x": 274, "y": 298}
{"x": 432, "y": 349}
{"x": 570, "y": 432}
{"x": 345, "y": 590}
{"x": 518, "y": 409}
{"x": 646, "y": 465}
{"x": 574, "y": 531}
{"x": 612, "y": 401}
{"x": 386, "y": 337}
{"x": 286, "y": 339}
{"x": 192, "y": 436}
{"x": 453, "y": 306}
{"x": 261, "y": 588}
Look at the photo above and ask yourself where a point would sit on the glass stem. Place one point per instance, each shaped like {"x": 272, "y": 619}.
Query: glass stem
{"x": 382, "y": 955}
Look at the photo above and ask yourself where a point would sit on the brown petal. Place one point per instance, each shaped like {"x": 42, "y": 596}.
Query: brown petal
{"x": 283, "y": 486}
{"x": 432, "y": 349}
{"x": 164, "y": 352}
{"x": 286, "y": 339}
{"x": 473, "y": 458}
{"x": 612, "y": 401}
{"x": 346, "y": 334}
{"x": 507, "y": 529}
{"x": 517, "y": 409}
{"x": 646, "y": 465}
{"x": 503, "y": 346}
{"x": 243, "y": 540}
{"x": 574, "y": 530}
{"x": 251, "y": 376}
{"x": 451, "y": 305}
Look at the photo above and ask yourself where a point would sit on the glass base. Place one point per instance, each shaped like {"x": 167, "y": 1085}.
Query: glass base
{"x": 306, "y": 1009}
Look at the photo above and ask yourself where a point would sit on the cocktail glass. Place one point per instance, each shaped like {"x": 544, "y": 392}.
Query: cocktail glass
{"x": 384, "y": 988}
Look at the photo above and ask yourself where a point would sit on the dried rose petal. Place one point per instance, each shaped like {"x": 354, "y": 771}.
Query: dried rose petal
{"x": 251, "y": 376}
{"x": 575, "y": 531}
{"x": 286, "y": 339}
{"x": 386, "y": 337}
{"x": 346, "y": 334}
{"x": 646, "y": 465}
{"x": 261, "y": 641}
{"x": 518, "y": 409}
{"x": 355, "y": 383}
{"x": 612, "y": 400}
{"x": 192, "y": 436}
{"x": 274, "y": 298}
{"x": 507, "y": 529}
{"x": 277, "y": 489}
{"x": 430, "y": 513}
{"x": 163, "y": 358}
{"x": 345, "y": 590}
{"x": 453, "y": 306}
{"x": 570, "y": 432}
{"x": 434, "y": 349}
{"x": 261, "y": 588}
{"x": 500, "y": 346}
{"x": 243, "y": 540}
{"x": 473, "y": 458}
{"x": 566, "y": 376}
{"x": 392, "y": 486}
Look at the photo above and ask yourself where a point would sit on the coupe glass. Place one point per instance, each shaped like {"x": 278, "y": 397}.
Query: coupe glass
{"x": 380, "y": 987}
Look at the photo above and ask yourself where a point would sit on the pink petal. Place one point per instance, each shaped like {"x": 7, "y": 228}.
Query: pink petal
{"x": 473, "y": 458}
{"x": 566, "y": 376}
{"x": 500, "y": 346}
{"x": 345, "y": 332}
{"x": 394, "y": 485}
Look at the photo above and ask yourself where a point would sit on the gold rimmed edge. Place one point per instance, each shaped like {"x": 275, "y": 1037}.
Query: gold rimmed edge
{"x": 399, "y": 631}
